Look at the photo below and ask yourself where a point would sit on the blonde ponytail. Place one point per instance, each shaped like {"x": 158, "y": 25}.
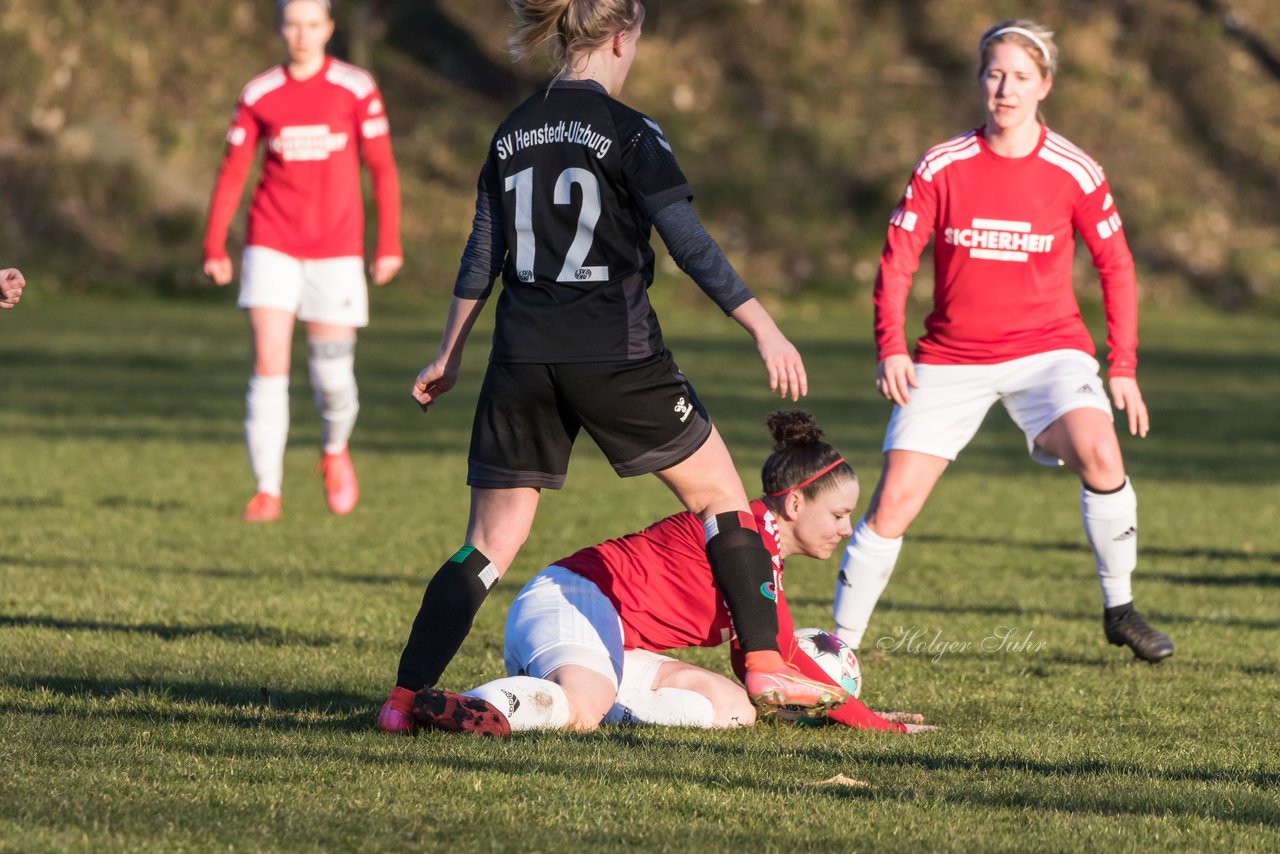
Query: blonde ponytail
{"x": 570, "y": 27}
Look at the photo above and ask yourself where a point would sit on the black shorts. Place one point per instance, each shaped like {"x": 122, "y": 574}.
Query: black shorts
{"x": 643, "y": 414}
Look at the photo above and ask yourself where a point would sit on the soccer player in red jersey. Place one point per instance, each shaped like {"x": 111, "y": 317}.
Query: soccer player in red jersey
{"x": 572, "y": 186}
{"x": 584, "y": 637}
{"x": 1004, "y": 203}
{"x": 11, "y": 285}
{"x": 318, "y": 118}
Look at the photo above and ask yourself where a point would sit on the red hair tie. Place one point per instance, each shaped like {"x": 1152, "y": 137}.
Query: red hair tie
{"x": 802, "y": 484}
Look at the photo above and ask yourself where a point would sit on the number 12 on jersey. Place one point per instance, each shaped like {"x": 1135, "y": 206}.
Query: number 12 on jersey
{"x": 526, "y": 245}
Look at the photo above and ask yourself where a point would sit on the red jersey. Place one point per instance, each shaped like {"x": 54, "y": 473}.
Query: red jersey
{"x": 316, "y": 132}
{"x": 660, "y": 582}
{"x": 1005, "y": 236}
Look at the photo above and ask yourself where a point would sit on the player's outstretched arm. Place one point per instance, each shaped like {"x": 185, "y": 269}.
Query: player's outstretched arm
{"x": 442, "y": 374}
{"x": 781, "y": 359}
{"x": 11, "y": 285}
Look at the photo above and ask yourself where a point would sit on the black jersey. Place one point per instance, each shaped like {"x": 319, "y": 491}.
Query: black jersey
{"x": 574, "y": 178}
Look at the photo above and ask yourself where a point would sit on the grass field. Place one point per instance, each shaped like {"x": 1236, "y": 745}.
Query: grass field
{"x": 171, "y": 679}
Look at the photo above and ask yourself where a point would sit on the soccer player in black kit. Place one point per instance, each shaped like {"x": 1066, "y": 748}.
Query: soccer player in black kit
{"x": 571, "y": 186}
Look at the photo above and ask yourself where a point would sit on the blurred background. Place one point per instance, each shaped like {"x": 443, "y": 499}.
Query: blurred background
{"x": 797, "y": 122}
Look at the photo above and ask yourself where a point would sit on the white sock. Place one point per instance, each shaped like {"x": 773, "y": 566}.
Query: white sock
{"x": 528, "y": 703}
{"x": 1111, "y": 524}
{"x": 864, "y": 571}
{"x": 266, "y": 429}
{"x": 662, "y": 707}
{"x": 333, "y": 382}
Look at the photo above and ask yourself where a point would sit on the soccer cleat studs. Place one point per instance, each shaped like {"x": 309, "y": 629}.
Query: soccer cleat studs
{"x": 444, "y": 710}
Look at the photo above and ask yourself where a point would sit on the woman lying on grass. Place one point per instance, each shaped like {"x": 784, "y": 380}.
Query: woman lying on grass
{"x": 584, "y": 637}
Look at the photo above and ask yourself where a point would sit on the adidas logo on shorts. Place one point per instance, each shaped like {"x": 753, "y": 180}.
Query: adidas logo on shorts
{"x": 1127, "y": 535}
{"x": 1086, "y": 389}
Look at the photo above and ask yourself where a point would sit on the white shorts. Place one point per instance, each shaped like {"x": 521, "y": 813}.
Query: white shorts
{"x": 320, "y": 290}
{"x": 948, "y": 407}
{"x": 562, "y": 618}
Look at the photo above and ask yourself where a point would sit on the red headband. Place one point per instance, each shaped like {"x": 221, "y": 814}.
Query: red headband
{"x": 802, "y": 484}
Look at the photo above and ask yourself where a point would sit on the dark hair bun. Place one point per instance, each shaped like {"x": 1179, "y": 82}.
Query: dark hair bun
{"x": 792, "y": 427}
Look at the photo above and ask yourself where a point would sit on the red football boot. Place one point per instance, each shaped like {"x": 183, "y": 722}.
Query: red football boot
{"x": 444, "y": 710}
{"x": 263, "y": 507}
{"x": 340, "y": 487}
{"x": 396, "y": 715}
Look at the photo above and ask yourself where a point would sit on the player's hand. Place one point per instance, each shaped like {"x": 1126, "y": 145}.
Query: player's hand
{"x": 902, "y": 717}
{"x": 11, "y": 285}
{"x": 433, "y": 381}
{"x": 1128, "y": 399}
{"x": 219, "y": 270}
{"x": 786, "y": 369}
{"x": 384, "y": 269}
{"x": 895, "y": 377}
{"x": 918, "y": 729}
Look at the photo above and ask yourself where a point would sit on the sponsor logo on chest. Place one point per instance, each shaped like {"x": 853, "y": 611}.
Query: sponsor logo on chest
{"x": 999, "y": 240}
{"x": 307, "y": 142}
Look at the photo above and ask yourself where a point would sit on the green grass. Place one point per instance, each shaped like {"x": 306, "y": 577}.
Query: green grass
{"x": 171, "y": 679}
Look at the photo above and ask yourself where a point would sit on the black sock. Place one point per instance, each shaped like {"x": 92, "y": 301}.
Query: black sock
{"x": 744, "y": 573}
{"x": 1117, "y": 612}
{"x": 449, "y": 606}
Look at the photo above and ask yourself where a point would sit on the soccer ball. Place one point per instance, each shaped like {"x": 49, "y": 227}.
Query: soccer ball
{"x": 834, "y": 656}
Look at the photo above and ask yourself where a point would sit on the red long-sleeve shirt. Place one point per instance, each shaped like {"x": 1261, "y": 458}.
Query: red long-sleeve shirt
{"x": 1004, "y": 239}
{"x": 316, "y": 133}
{"x": 661, "y": 584}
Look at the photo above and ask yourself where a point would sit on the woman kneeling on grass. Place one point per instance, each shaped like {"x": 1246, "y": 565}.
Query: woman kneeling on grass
{"x": 583, "y": 637}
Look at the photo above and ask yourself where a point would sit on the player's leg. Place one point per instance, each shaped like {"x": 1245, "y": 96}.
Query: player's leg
{"x": 1060, "y": 404}
{"x": 500, "y": 522}
{"x": 572, "y": 697}
{"x": 563, "y": 653}
{"x": 907, "y": 479}
{"x": 661, "y": 691}
{"x": 1085, "y": 440}
{"x": 520, "y": 444}
{"x": 335, "y": 304}
{"x": 563, "y": 629}
{"x": 945, "y": 411}
{"x": 271, "y": 285}
{"x": 266, "y": 421}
